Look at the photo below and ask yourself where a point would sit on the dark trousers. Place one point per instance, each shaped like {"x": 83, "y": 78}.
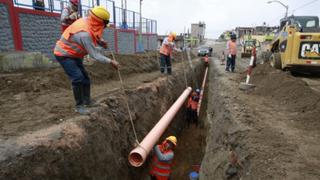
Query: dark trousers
{"x": 80, "y": 80}
{"x": 165, "y": 62}
{"x": 231, "y": 63}
{"x": 192, "y": 116}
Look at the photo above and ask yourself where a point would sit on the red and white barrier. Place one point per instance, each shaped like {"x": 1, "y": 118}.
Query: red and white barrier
{"x": 246, "y": 85}
{"x": 249, "y": 70}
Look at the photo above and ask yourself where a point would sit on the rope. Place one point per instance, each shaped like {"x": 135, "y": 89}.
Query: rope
{"x": 127, "y": 103}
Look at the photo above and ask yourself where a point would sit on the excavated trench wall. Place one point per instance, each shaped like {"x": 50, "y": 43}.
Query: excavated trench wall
{"x": 97, "y": 147}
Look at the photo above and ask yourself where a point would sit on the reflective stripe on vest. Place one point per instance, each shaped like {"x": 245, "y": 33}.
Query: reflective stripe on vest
{"x": 69, "y": 49}
{"x": 194, "y": 105}
{"x": 160, "y": 169}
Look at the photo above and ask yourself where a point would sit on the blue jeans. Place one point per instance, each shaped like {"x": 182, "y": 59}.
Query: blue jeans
{"x": 231, "y": 62}
{"x": 165, "y": 62}
{"x": 75, "y": 70}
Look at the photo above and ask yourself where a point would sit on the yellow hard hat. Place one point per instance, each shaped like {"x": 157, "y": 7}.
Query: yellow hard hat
{"x": 173, "y": 35}
{"x": 101, "y": 13}
{"x": 172, "y": 139}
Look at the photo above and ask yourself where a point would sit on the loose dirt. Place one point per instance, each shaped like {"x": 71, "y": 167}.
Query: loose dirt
{"x": 273, "y": 129}
{"x": 34, "y": 99}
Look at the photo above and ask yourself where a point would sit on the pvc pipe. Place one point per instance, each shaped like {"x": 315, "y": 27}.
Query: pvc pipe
{"x": 138, "y": 155}
{"x": 202, "y": 90}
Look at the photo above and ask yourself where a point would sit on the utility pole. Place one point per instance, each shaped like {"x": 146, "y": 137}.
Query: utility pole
{"x": 140, "y": 44}
{"x": 124, "y": 24}
{"x": 140, "y": 25}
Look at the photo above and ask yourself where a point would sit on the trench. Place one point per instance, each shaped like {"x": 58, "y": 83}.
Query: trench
{"x": 97, "y": 146}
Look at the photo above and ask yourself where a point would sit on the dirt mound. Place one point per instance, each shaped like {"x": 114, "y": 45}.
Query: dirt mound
{"x": 285, "y": 88}
{"x": 36, "y": 98}
{"x": 290, "y": 93}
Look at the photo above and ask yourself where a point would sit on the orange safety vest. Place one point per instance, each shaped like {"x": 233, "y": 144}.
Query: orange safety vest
{"x": 67, "y": 48}
{"x": 193, "y": 104}
{"x": 232, "y": 47}
{"x": 206, "y": 59}
{"x": 161, "y": 170}
{"x": 165, "y": 48}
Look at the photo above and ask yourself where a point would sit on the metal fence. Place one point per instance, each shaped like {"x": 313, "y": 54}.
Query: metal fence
{"x": 120, "y": 18}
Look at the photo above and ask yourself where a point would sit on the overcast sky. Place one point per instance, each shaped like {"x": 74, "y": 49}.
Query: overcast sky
{"x": 219, "y": 15}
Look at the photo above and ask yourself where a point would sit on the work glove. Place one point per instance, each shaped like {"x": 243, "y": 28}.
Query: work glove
{"x": 229, "y": 56}
{"x": 115, "y": 64}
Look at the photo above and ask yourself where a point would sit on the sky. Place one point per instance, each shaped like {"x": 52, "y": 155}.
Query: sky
{"x": 219, "y": 15}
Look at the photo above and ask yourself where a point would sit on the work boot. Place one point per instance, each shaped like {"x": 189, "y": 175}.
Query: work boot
{"x": 78, "y": 96}
{"x": 87, "y": 101}
{"x": 82, "y": 110}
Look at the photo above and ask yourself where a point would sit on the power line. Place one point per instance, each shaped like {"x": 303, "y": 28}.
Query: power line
{"x": 304, "y": 5}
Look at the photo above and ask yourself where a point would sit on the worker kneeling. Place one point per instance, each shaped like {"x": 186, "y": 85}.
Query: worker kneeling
{"x": 79, "y": 39}
{"x": 163, "y": 159}
{"x": 192, "y": 105}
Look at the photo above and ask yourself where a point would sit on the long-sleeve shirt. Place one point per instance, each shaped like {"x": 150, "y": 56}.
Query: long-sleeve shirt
{"x": 84, "y": 39}
{"x": 164, "y": 157}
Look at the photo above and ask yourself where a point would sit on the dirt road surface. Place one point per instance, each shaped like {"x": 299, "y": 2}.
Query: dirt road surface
{"x": 273, "y": 129}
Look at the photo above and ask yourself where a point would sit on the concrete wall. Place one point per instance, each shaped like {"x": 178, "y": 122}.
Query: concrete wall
{"x": 126, "y": 42}
{"x": 6, "y": 38}
{"x": 39, "y": 33}
{"x": 108, "y": 35}
{"x": 153, "y": 44}
{"x": 145, "y": 42}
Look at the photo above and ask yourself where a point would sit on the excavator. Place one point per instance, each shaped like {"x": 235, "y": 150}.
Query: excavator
{"x": 296, "y": 47}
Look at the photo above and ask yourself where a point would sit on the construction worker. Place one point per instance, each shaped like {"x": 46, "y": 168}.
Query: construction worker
{"x": 69, "y": 14}
{"x": 166, "y": 51}
{"x": 206, "y": 60}
{"x": 79, "y": 39}
{"x": 192, "y": 106}
{"x": 163, "y": 159}
{"x": 232, "y": 53}
{"x": 254, "y": 54}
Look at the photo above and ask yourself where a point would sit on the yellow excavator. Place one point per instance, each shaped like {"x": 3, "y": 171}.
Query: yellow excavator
{"x": 297, "y": 45}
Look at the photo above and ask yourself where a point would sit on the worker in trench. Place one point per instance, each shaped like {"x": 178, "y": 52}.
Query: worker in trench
{"x": 166, "y": 52}
{"x": 232, "y": 53}
{"x": 81, "y": 38}
{"x": 192, "y": 105}
{"x": 162, "y": 161}
{"x": 69, "y": 14}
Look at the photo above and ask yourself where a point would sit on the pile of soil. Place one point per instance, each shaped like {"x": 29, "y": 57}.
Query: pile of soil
{"x": 37, "y": 98}
{"x": 273, "y": 129}
{"x": 291, "y": 93}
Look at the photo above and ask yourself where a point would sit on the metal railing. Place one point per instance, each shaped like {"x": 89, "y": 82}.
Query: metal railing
{"x": 120, "y": 18}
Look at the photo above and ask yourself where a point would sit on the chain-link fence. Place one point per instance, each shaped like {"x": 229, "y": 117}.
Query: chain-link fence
{"x": 120, "y": 18}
